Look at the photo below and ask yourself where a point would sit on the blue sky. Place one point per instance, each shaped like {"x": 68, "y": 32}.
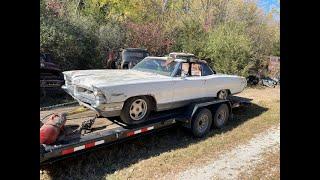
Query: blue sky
{"x": 267, "y": 5}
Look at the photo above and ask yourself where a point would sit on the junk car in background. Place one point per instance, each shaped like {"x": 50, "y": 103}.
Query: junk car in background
{"x": 268, "y": 74}
{"x": 51, "y": 77}
{"x": 126, "y": 58}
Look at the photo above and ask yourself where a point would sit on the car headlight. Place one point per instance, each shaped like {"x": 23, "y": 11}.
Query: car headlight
{"x": 100, "y": 98}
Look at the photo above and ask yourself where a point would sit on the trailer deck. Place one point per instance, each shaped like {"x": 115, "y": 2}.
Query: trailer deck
{"x": 106, "y": 131}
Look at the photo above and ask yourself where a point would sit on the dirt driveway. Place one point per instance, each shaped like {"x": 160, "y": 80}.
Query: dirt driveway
{"x": 240, "y": 159}
{"x": 247, "y": 147}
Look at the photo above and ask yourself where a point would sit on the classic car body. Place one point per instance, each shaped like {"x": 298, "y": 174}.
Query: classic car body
{"x": 106, "y": 91}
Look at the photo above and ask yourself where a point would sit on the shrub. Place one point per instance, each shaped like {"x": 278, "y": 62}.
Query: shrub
{"x": 229, "y": 49}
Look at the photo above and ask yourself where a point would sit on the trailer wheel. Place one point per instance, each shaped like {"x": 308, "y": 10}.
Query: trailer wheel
{"x": 201, "y": 123}
{"x": 221, "y": 116}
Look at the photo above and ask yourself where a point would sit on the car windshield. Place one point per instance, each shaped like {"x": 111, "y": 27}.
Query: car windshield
{"x": 159, "y": 66}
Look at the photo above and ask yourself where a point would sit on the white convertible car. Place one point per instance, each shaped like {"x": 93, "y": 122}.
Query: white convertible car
{"x": 154, "y": 84}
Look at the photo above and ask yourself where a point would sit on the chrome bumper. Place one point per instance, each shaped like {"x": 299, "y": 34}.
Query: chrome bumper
{"x": 105, "y": 110}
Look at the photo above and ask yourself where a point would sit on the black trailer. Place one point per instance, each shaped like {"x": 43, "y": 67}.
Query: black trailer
{"x": 198, "y": 117}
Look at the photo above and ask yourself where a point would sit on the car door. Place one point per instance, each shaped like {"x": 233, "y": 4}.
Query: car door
{"x": 188, "y": 88}
{"x": 212, "y": 85}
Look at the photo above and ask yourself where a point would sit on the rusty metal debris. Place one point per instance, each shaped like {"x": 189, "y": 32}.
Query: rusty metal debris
{"x": 269, "y": 82}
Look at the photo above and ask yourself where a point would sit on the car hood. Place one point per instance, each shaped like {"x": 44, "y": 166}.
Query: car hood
{"x": 110, "y": 77}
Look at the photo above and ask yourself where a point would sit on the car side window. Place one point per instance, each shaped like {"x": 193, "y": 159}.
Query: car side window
{"x": 206, "y": 71}
{"x": 196, "y": 69}
{"x": 185, "y": 68}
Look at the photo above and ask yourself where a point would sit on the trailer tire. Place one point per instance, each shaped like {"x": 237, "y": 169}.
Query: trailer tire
{"x": 201, "y": 123}
{"x": 136, "y": 110}
{"x": 221, "y": 116}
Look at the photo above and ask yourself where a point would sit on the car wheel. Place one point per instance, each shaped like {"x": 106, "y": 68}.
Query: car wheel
{"x": 221, "y": 116}
{"x": 136, "y": 110}
{"x": 223, "y": 94}
{"x": 201, "y": 123}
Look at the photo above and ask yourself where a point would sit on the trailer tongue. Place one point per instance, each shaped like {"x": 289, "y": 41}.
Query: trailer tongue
{"x": 100, "y": 132}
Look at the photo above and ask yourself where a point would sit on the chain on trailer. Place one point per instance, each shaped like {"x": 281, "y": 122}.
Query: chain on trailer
{"x": 86, "y": 126}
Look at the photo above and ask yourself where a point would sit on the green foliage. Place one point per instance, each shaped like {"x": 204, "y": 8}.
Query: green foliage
{"x": 229, "y": 49}
{"x": 76, "y": 40}
{"x": 190, "y": 37}
{"x": 232, "y": 35}
{"x": 72, "y": 45}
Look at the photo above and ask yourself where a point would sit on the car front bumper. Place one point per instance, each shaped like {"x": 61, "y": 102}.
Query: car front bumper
{"x": 105, "y": 110}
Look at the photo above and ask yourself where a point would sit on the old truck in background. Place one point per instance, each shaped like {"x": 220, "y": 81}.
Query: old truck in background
{"x": 51, "y": 77}
{"x": 125, "y": 58}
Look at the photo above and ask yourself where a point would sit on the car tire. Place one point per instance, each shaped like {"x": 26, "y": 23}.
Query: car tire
{"x": 201, "y": 123}
{"x": 223, "y": 94}
{"x": 136, "y": 110}
{"x": 221, "y": 116}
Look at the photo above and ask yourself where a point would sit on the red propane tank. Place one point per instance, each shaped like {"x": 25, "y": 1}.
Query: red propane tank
{"x": 50, "y": 130}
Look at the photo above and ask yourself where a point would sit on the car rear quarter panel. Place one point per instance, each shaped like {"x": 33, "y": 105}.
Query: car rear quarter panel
{"x": 215, "y": 83}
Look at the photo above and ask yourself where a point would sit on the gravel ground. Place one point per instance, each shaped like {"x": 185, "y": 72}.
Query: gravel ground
{"x": 240, "y": 159}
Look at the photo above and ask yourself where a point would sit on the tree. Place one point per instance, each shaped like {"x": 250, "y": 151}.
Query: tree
{"x": 229, "y": 49}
